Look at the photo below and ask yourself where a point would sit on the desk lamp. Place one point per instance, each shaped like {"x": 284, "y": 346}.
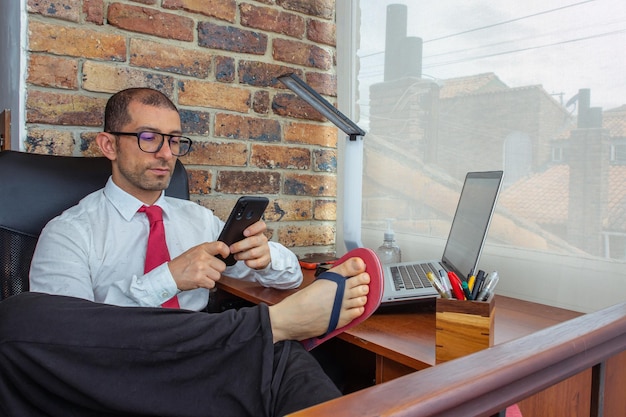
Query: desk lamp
{"x": 353, "y": 160}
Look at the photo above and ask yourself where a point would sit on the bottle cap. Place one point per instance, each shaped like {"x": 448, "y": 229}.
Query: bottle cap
{"x": 389, "y": 234}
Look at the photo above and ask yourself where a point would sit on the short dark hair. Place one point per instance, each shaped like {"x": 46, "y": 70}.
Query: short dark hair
{"x": 116, "y": 111}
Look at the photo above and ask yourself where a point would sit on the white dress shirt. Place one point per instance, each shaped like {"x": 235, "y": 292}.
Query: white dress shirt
{"x": 96, "y": 251}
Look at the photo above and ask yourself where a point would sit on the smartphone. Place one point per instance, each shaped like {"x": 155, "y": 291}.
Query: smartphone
{"x": 248, "y": 210}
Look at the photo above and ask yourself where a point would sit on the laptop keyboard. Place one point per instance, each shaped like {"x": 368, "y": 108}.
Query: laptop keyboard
{"x": 412, "y": 276}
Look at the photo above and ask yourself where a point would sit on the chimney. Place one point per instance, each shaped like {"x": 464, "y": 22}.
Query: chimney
{"x": 588, "y": 158}
{"x": 395, "y": 35}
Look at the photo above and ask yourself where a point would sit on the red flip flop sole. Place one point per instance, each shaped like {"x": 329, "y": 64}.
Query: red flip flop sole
{"x": 374, "y": 297}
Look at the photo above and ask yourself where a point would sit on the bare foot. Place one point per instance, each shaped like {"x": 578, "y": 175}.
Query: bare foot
{"x": 306, "y": 313}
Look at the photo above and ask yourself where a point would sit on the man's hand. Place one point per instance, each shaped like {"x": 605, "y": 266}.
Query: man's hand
{"x": 253, "y": 250}
{"x": 198, "y": 267}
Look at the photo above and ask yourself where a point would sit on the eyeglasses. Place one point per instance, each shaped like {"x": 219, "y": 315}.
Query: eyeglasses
{"x": 152, "y": 142}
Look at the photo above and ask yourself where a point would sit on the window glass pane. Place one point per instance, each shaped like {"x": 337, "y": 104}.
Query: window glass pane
{"x": 535, "y": 88}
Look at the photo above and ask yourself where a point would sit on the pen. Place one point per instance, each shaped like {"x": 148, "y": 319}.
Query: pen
{"x": 443, "y": 277}
{"x": 470, "y": 282}
{"x": 436, "y": 284}
{"x": 466, "y": 291}
{"x": 480, "y": 279}
{"x": 490, "y": 283}
{"x": 455, "y": 282}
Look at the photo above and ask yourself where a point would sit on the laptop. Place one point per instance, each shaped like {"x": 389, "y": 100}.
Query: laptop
{"x": 406, "y": 281}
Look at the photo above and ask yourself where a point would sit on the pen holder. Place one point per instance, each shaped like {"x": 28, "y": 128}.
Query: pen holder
{"x": 462, "y": 327}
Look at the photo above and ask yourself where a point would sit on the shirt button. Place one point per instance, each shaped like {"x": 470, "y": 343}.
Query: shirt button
{"x": 165, "y": 294}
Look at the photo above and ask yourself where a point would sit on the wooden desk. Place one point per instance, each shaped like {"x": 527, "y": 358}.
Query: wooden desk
{"x": 403, "y": 338}
{"x": 403, "y": 341}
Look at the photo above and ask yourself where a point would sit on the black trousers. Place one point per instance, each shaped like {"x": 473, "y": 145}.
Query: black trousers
{"x": 63, "y": 356}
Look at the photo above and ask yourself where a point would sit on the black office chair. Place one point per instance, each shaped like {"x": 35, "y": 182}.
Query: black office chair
{"x": 35, "y": 188}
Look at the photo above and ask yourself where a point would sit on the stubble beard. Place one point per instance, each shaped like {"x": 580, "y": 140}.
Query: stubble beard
{"x": 139, "y": 178}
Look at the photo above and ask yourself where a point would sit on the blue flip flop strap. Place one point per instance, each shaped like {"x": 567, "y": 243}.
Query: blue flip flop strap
{"x": 340, "y": 280}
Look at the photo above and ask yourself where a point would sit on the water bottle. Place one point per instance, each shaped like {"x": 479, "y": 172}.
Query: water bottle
{"x": 389, "y": 251}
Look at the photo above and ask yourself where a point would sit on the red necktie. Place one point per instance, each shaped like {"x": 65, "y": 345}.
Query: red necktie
{"x": 157, "y": 253}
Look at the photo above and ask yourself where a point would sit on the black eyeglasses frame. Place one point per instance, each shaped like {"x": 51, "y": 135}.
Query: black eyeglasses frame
{"x": 185, "y": 139}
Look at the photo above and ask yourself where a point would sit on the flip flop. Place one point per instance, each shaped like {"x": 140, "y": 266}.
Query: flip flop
{"x": 374, "y": 297}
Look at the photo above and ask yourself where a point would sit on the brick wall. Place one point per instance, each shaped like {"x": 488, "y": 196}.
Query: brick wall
{"x": 218, "y": 61}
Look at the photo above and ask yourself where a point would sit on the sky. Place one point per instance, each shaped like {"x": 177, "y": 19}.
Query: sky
{"x": 563, "y": 45}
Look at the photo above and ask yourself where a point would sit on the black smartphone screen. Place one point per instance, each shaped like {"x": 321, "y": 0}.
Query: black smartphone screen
{"x": 247, "y": 211}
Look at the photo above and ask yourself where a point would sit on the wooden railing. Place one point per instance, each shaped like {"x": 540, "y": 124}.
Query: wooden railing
{"x": 488, "y": 381}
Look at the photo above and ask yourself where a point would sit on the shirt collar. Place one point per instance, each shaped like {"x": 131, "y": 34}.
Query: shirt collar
{"x": 126, "y": 204}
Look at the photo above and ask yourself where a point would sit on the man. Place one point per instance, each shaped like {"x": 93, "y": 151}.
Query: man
{"x": 64, "y": 354}
{"x": 96, "y": 250}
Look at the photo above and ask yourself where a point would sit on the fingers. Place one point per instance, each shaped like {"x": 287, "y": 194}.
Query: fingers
{"x": 254, "y": 249}
{"x": 255, "y": 229}
{"x": 198, "y": 267}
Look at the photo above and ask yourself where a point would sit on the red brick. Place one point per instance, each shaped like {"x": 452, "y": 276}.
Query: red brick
{"x": 272, "y": 20}
{"x": 324, "y": 83}
{"x": 319, "y": 8}
{"x": 261, "y": 102}
{"x": 199, "y": 181}
{"x": 213, "y": 95}
{"x": 49, "y": 141}
{"x": 108, "y": 78}
{"x": 221, "y": 205}
{"x": 195, "y": 122}
{"x": 322, "y": 32}
{"x": 262, "y": 74}
{"x": 82, "y": 43}
{"x": 51, "y": 71}
{"x": 311, "y": 134}
{"x": 300, "y": 53}
{"x": 310, "y": 235}
{"x": 277, "y": 156}
{"x": 59, "y": 9}
{"x": 310, "y": 184}
{"x": 64, "y": 109}
{"x": 240, "y": 127}
{"x": 231, "y": 38}
{"x": 88, "y": 146}
{"x": 156, "y": 55}
{"x": 217, "y": 154}
{"x": 220, "y": 9}
{"x": 325, "y": 160}
{"x": 150, "y": 21}
{"x": 225, "y": 69}
{"x": 290, "y": 105}
{"x": 325, "y": 210}
{"x": 248, "y": 182}
{"x": 94, "y": 11}
{"x": 287, "y": 210}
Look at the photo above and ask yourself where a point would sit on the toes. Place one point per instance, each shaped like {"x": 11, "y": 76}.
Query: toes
{"x": 351, "y": 267}
{"x": 355, "y": 303}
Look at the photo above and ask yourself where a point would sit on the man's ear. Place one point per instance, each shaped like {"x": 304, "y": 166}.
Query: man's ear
{"x": 107, "y": 144}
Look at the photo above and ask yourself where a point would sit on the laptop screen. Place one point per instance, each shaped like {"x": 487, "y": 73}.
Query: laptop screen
{"x": 471, "y": 221}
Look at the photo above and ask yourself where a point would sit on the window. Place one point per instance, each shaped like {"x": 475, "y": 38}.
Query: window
{"x": 618, "y": 152}
{"x": 496, "y": 85}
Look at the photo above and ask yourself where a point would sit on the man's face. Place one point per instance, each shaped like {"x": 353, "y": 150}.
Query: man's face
{"x": 142, "y": 174}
